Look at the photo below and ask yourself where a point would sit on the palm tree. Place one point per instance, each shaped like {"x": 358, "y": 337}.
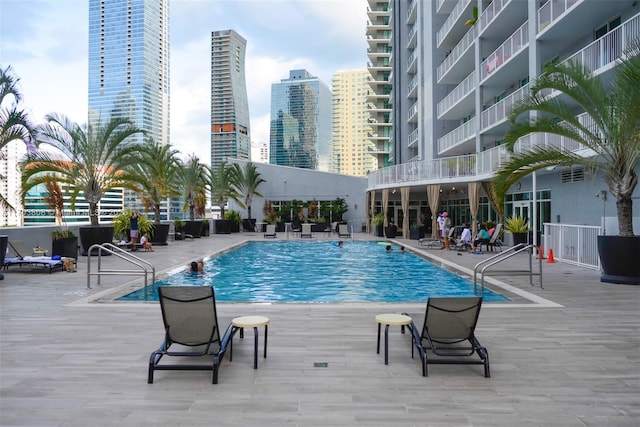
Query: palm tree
{"x": 88, "y": 159}
{"x": 610, "y": 127}
{"x": 223, "y": 182}
{"x": 193, "y": 179}
{"x": 249, "y": 180}
{"x": 14, "y": 122}
{"x": 157, "y": 174}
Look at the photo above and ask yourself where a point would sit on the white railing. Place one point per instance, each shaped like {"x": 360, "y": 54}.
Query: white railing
{"x": 491, "y": 12}
{"x": 551, "y": 11}
{"x": 412, "y": 84}
{"x": 413, "y": 137}
{"x": 457, "y": 52}
{"x": 457, "y": 94}
{"x": 457, "y": 136}
{"x": 573, "y": 244}
{"x": 609, "y": 47}
{"x": 451, "y": 20}
{"x": 501, "y": 109}
{"x": 517, "y": 41}
{"x": 412, "y": 58}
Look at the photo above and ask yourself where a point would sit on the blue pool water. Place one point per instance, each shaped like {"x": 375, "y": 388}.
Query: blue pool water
{"x": 319, "y": 271}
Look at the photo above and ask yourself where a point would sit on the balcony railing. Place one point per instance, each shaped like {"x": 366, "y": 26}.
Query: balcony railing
{"x": 551, "y": 11}
{"x": 457, "y": 52}
{"x": 412, "y": 84}
{"x": 491, "y": 12}
{"x": 412, "y": 111}
{"x": 609, "y": 47}
{"x": 501, "y": 109}
{"x": 517, "y": 41}
{"x": 451, "y": 20}
{"x": 413, "y": 137}
{"x": 460, "y": 134}
{"x": 457, "y": 94}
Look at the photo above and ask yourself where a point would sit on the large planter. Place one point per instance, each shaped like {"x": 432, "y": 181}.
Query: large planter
{"x": 619, "y": 259}
{"x": 65, "y": 247}
{"x": 95, "y": 234}
{"x": 4, "y": 240}
{"x": 248, "y": 224}
{"x": 206, "y": 228}
{"x": 391, "y": 231}
{"x": 193, "y": 228}
{"x": 317, "y": 227}
{"x": 222, "y": 226}
{"x": 519, "y": 238}
{"x": 416, "y": 233}
{"x": 379, "y": 230}
{"x": 160, "y": 234}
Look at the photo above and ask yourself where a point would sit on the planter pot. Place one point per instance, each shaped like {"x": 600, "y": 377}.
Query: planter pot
{"x": 222, "y": 226}
{"x": 416, "y": 233}
{"x": 4, "y": 240}
{"x": 519, "y": 238}
{"x": 619, "y": 259}
{"x": 317, "y": 227}
{"x": 391, "y": 231}
{"x": 65, "y": 247}
{"x": 206, "y": 229}
{"x": 160, "y": 234}
{"x": 194, "y": 228}
{"x": 248, "y": 224}
{"x": 379, "y": 230}
{"x": 280, "y": 227}
{"x": 91, "y": 235}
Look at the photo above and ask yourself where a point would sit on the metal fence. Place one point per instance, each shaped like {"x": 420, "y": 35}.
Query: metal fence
{"x": 573, "y": 244}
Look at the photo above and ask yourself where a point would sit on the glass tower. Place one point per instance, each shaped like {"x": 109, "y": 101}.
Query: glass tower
{"x": 129, "y": 64}
{"x": 230, "y": 136}
{"x": 301, "y": 126}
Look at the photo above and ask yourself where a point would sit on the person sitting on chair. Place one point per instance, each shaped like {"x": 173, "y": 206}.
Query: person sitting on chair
{"x": 481, "y": 237}
{"x": 146, "y": 244}
{"x": 465, "y": 236}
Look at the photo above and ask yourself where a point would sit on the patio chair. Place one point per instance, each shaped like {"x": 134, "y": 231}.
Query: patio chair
{"x": 306, "y": 231}
{"x": 270, "y": 231}
{"x": 191, "y": 330}
{"x": 494, "y": 241}
{"x": 23, "y": 257}
{"x": 343, "y": 231}
{"x": 448, "y": 333}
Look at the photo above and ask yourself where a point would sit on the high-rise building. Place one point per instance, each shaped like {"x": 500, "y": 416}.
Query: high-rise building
{"x": 459, "y": 67}
{"x": 10, "y": 184}
{"x": 351, "y": 128}
{"x": 129, "y": 64}
{"x": 379, "y": 100}
{"x": 230, "y": 131}
{"x": 301, "y": 122}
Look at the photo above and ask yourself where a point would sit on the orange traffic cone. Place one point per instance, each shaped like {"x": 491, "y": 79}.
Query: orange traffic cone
{"x": 540, "y": 252}
{"x": 551, "y": 260}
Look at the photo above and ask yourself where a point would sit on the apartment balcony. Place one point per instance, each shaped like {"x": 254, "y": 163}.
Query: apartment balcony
{"x": 501, "y": 17}
{"x": 461, "y": 139}
{"x": 412, "y": 115}
{"x": 413, "y": 138}
{"x": 494, "y": 119}
{"x": 459, "y": 101}
{"x": 508, "y": 63}
{"x": 453, "y": 28}
{"x": 459, "y": 62}
{"x": 412, "y": 88}
{"x": 445, "y": 6}
{"x": 412, "y": 62}
{"x": 600, "y": 56}
{"x": 412, "y": 12}
{"x": 382, "y": 11}
{"x": 412, "y": 37}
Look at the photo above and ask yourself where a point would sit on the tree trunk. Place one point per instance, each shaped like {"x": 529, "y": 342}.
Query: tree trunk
{"x": 249, "y": 211}
{"x": 156, "y": 212}
{"x": 624, "y": 206}
{"x": 93, "y": 213}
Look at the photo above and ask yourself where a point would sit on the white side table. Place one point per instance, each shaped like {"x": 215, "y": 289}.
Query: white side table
{"x": 389, "y": 319}
{"x": 250, "y": 322}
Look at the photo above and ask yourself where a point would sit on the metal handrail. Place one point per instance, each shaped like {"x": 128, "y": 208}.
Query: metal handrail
{"x": 502, "y": 256}
{"x": 114, "y": 250}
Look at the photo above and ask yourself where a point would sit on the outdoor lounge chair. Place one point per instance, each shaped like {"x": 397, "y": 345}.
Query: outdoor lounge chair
{"x": 190, "y": 324}
{"x": 494, "y": 241}
{"x": 448, "y": 333}
{"x": 270, "y": 231}
{"x": 343, "y": 231}
{"x": 22, "y": 257}
{"x": 306, "y": 231}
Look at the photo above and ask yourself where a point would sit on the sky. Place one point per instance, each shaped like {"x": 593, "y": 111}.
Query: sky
{"x": 46, "y": 44}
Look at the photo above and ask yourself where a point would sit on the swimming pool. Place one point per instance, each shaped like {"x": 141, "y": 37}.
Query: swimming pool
{"x": 319, "y": 271}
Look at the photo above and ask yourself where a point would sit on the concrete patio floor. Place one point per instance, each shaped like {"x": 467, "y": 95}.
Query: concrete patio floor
{"x": 570, "y": 357}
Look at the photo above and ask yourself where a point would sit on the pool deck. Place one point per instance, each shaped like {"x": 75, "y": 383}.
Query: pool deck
{"x": 571, "y": 357}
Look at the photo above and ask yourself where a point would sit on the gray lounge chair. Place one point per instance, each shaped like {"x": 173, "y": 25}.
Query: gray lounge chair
{"x": 306, "y": 231}
{"x": 448, "y": 333}
{"x": 191, "y": 330}
{"x": 270, "y": 231}
{"x": 23, "y": 257}
{"x": 343, "y": 231}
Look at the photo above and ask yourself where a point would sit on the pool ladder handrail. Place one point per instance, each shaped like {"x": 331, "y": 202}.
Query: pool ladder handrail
{"x": 502, "y": 256}
{"x": 145, "y": 266}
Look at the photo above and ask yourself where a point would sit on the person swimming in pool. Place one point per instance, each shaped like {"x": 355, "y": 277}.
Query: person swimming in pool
{"x": 388, "y": 248}
{"x": 341, "y": 244}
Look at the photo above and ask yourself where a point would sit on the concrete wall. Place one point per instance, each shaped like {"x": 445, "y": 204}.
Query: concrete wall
{"x": 284, "y": 183}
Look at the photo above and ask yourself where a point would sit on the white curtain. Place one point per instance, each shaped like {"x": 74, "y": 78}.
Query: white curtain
{"x": 433, "y": 196}
{"x": 474, "y": 205}
{"x": 373, "y": 209}
{"x": 404, "y": 200}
